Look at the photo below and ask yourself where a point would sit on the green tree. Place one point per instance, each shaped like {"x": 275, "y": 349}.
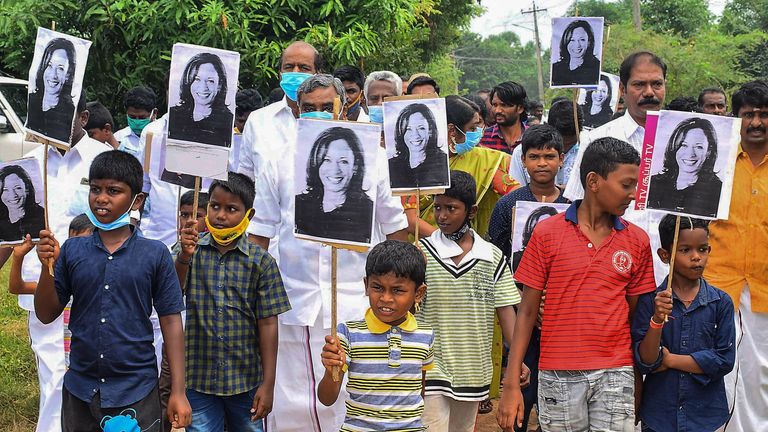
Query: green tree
{"x": 132, "y": 39}
{"x": 683, "y": 17}
{"x": 614, "y": 12}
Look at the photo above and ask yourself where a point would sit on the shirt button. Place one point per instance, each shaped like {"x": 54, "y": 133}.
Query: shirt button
{"x": 754, "y": 191}
{"x": 103, "y": 380}
{"x": 394, "y": 331}
{"x": 106, "y": 287}
{"x": 109, "y": 257}
{"x": 101, "y": 355}
{"x": 103, "y": 320}
{"x": 589, "y": 245}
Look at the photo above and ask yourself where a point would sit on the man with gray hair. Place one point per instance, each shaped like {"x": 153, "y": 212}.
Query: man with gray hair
{"x": 379, "y": 85}
{"x": 306, "y": 266}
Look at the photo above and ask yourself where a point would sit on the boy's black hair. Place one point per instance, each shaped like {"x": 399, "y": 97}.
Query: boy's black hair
{"x": 423, "y": 80}
{"x": 534, "y": 104}
{"x": 684, "y": 104}
{"x": 463, "y": 188}
{"x": 248, "y": 100}
{"x": 189, "y": 198}
{"x": 667, "y": 228}
{"x": 237, "y": 184}
{"x": 478, "y": 102}
{"x": 604, "y": 155}
{"x": 276, "y": 95}
{"x": 98, "y": 116}
{"x": 398, "y": 257}
{"x": 140, "y": 97}
{"x": 561, "y": 117}
{"x": 81, "y": 224}
{"x": 351, "y": 74}
{"x": 117, "y": 165}
{"x": 540, "y": 137}
{"x": 753, "y": 93}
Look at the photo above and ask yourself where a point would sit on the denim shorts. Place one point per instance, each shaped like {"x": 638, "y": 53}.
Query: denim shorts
{"x": 581, "y": 401}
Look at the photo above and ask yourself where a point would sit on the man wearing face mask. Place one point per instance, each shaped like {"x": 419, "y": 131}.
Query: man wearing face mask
{"x": 140, "y": 105}
{"x": 306, "y": 266}
{"x": 643, "y": 84}
{"x": 379, "y": 85}
{"x": 353, "y": 80}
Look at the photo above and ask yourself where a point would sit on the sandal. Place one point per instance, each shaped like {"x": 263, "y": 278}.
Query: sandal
{"x": 485, "y": 406}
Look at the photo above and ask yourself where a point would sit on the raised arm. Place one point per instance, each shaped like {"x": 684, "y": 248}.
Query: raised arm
{"x": 47, "y": 304}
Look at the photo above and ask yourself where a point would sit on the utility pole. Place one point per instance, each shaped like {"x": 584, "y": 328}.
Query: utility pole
{"x": 535, "y": 11}
{"x": 636, "y": 15}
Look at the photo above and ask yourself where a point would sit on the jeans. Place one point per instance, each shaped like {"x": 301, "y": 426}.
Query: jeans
{"x": 210, "y": 411}
{"x": 580, "y": 401}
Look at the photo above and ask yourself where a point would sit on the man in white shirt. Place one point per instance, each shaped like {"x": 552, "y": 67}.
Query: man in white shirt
{"x": 379, "y": 85}
{"x": 643, "y": 84}
{"x": 67, "y": 198}
{"x": 306, "y": 266}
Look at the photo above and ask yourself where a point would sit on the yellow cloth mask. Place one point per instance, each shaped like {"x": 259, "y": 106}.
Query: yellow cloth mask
{"x": 225, "y": 236}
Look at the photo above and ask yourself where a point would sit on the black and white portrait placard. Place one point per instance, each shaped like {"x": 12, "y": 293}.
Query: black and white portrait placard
{"x": 693, "y": 164}
{"x": 600, "y": 103}
{"x": 55, "y": 83}
{"x": 416, "y": 139}
{"x": 526, "y": 215}
{"x": 201, "y": 113}
{"x": 335, "y": 185}
{"x": 21, "y": 200}
{"x": 577, "y": 50}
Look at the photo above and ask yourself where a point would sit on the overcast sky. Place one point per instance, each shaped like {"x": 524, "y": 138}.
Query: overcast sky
{"x": 503, "y": 15}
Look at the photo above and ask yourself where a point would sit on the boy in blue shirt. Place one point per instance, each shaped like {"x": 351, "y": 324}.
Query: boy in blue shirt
{"x": 685, "y": 358}
{"x": 114, "y": 278}
{"x": 386, "y": 354}
{"x": 234, "y": 294}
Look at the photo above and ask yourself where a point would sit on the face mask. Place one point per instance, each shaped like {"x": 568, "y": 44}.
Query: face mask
{"x": 320, "y": 115}
{"x": 376, "y": 114}
{"x": 120, "y": 222}
{"x": 472, "y": 138}
{"x": 138, "y": 125}
{"x": 290, "y": 82}
{"x": 225, "y": 236}
{"x": 456, "y": 236}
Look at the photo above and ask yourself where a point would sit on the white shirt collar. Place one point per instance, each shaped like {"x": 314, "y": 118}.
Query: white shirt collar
{"x": 448, "y": 249}
{"x": 630, "y": 126}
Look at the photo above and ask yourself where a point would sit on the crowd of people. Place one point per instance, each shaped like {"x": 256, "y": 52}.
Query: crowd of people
{"x": 156, "y": 314}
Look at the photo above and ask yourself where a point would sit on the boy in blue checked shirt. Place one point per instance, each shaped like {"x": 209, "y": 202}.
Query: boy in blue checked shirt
{"x": 234, "y": 294}
{"x": 114, "y": 277}
{"x": 686, "y": 358}
{"x": 386, "y": 354}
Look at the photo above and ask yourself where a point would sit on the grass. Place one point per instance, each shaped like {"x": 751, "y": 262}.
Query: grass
{"x": 18, "y": 375}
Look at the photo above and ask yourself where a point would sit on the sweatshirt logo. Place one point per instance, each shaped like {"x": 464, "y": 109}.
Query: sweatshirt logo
{"x": 622, "y": 261}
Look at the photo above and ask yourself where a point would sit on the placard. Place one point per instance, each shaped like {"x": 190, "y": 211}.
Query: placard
{"x": 577, "y": 50}
{"x": 21, "y": 201}
{"x": 600, "y": 104}
{"x": 526, "y": 215}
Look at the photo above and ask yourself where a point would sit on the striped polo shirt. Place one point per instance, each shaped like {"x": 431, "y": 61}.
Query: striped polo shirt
{"x": 460, "y": 305}
{"x": 586, "y": 314}
{"x": 385, "y": 368}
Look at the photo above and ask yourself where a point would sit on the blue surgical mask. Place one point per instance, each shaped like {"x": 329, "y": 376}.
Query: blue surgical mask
{"x": 290, "y": 82}
{"x": 376, "y": 114}
{"x": 321, "y": 115}
{"x": 120, "y": 222}
{"x": 472, "y": 138}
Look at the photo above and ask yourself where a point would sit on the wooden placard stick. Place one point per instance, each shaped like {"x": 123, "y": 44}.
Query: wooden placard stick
{"x": 45, "y": 197}
{"x": 334, "y": 264}
{"x": 196, "y": 196}
{"x": 672, "y": 259}
{"x": 418, "y": 219}
{"x": 336, "y": 108}
{"x": 576, "y": 112}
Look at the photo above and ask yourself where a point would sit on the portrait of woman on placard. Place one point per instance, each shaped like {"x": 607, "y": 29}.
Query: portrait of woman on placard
{"x": 334, "y": 205}
{"x": 578, "y": 64}
{"x": 418, "y": 161}
{"x": 202, "y": 114}
{"x": 51, "y": 109}
{"x": 597, "y": 105}
{"x": 688, "y": 182}
{"x": 19, "y": 213}
{"x": 534, "y": 218}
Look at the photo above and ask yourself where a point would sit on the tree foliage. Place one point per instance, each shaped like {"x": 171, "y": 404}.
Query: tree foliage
{"x": 132, "y": 39}
{"x": 682, "y": 17}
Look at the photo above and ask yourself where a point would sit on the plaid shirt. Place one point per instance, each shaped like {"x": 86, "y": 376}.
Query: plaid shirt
{"x": 492, "y": 139}
{"x": 226, "y": 296}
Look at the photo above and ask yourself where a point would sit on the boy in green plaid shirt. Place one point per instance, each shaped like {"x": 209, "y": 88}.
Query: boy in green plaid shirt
{"x": 234, "y": 294}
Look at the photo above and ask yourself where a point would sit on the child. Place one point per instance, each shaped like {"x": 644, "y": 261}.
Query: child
{"x": 100, "y": 124}
{"x": 542, "y": 156}
{"x": 686, "y": 358}
{"x": 388, "y": 352}
{"x": 185, "y": 210}
{"x": 469, "y": 285}
{"x": 114, "y": 278}
{"x": 594, "y": 265}
{"x": 234, "y": 294}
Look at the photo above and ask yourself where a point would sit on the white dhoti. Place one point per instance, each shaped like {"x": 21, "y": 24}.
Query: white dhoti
{"x": 747, "y": 384}
{"x": 48, "y": 345}
{"x": 299, "y": 371}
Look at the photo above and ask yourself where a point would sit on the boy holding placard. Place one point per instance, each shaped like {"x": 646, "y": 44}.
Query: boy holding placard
{"x": 114, "y": 277}
{"x": 234, "y": 294}
{"x": 686, "y": 357}
{"x": 594, "y": 266}
{"x": 387, "y": 345}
